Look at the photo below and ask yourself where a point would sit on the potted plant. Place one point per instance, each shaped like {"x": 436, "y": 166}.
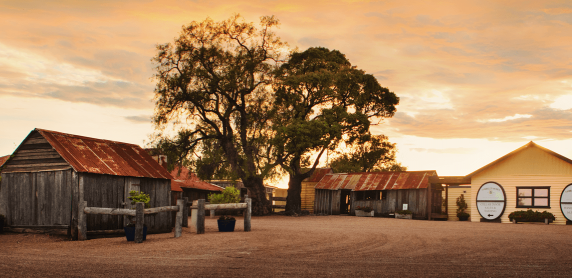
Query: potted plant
{"x": 461, "y": 207}
{"x": 2, "y": 220}
{"x": 135, "y": 198}
{"x": 226, "y": 223}
{"x": 404, "y": 214}
{"x": 364, "y": 211}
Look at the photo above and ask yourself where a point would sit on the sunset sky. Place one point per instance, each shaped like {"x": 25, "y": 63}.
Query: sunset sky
{"x": 477, "y": 79}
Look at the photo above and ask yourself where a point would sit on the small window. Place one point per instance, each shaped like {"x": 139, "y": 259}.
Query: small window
{"x": 533, "y": 197}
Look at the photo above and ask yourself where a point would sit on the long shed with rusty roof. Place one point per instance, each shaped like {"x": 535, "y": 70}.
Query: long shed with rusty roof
{"x": 50, "y": 172}
{"x": 385, "y": 192}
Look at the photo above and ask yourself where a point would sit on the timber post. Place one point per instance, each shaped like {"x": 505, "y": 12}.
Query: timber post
{"x": 201, "y": 217}
{"x": 179, "y": 218}
{"x": 139, "y": 221}
{"x": 186, "y": 212}
{"x": 81, "y": 221}
{"x": 247, "y": 214}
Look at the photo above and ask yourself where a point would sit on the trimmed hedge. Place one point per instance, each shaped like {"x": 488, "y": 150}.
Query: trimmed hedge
{"x": 530, "y": 216}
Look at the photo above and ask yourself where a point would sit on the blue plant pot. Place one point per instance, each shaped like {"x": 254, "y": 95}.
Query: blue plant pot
{"x": 226, "y": 225}
{"x": 130, "y": 233}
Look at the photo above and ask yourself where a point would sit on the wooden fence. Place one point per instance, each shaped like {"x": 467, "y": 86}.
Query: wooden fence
{"x": 199, "y": 207}
{"x": 139, "y": 213}
{"x": 283, "y": 199}
{"x": 181, "y": 219}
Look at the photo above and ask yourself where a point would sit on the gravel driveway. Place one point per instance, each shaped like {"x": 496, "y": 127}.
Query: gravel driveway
{"x": 308, "y": 246}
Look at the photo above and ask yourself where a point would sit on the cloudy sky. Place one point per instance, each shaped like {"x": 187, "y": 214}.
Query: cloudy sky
{"x": 477, "y": 79}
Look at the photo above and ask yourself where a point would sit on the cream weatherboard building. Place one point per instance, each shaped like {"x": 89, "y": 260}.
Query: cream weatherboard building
{"x": 530, "y": 177}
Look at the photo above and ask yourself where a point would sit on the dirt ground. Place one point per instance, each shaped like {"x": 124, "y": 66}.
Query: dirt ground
{"x": 308, "y": 246}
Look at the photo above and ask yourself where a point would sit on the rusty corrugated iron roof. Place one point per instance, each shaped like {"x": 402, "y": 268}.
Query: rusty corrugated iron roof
{"x": 318, "y": 174}
{"x": 185, "y": 179}
{"x": 376, "y": 180}
{"x": 3, "y": 160}
{"x": 98, "y": 156}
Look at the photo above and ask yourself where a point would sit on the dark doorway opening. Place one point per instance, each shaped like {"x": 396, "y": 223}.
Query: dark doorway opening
{"x": 345, "y": 201}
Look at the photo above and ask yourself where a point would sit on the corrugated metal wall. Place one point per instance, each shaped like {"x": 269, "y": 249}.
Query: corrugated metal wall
{"x": 530, "y": 167}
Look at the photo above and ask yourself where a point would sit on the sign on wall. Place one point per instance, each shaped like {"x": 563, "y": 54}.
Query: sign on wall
{"x": 566, "y": 202}
{"x": 491, "y": 200}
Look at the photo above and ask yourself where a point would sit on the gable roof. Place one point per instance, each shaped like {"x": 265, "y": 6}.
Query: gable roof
{"x": 185, "y": 179}
{"x": 530, "y": 144}
{"x": 376, "y": 180}
{"x": 98, "y": 156}
{"x": 318, "y": 174}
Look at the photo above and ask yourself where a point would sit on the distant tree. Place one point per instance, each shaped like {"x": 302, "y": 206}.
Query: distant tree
{"x": 322, "y": 100}
{"x": 214, "y": 86}
{"x": 369, "y": 153}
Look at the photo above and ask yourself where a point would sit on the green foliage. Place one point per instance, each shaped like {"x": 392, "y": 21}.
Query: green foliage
{"x": 404, "y": 212}
{"x": 530, "y": 216}
{"x": 214, "y": 89}
{"x": 461, "y": 206}
{"x": 229, "y": 195}
{"x": 368, "y": 153}
{"x": 137, "y": 197}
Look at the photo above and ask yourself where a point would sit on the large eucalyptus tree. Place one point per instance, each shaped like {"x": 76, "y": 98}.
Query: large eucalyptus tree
{"x": 322, "y": 100}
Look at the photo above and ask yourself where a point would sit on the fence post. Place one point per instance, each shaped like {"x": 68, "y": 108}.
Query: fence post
{"x": 247, "y": 214}
{"x": 179, "y": 218}
{"x": 201, "y": 217}
{"x": 139, "y": 221}
{"x": 212, "y": 213}
{"x": 81, "y": 221}
{"x": 186, "y": 212}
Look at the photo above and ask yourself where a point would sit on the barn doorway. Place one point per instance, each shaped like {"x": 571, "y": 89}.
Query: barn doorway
{"x": 345, "y": 201}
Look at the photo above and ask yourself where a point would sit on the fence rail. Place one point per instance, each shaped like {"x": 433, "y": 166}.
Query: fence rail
{"x": 139, "y": 212}
{"x": 182, "y": 209}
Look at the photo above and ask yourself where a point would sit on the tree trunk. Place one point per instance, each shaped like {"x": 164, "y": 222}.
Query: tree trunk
{"x": 257, "y": 192}
{"x": 293, "y": 200}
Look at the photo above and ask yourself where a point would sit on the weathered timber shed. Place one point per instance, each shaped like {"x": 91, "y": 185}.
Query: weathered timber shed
{"x": 51, "y": 172}
{"x": 307, "y": 194}
{"x": 530, "y": 177}
{"x": 191, "y": 186}
{"x": 385, "y": 192}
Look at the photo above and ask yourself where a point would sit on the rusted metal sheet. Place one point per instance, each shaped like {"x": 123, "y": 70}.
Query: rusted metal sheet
{"x": 376, "y": 180}
{"x": 318, "y": 174}
{"x": 98, "y": 156}
{"x": 185, "y": 179}
{"x": 3, "y": 159}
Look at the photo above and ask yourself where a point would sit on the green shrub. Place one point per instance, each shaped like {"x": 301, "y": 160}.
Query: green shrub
{"x": 530, "y": 216}
{"x": 137, "y": 197}
{"x": 461, "y": 206}
{"x": 228, "y": 195}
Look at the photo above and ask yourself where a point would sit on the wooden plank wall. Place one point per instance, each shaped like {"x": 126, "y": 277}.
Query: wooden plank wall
{"x": 308, "y": 195}
{"x": 416, "y": 199}
{"x": 37, "y": 198}
{"x": 35, "y": 154}
{"x": 160, "y": 192}
{"x": 103, "y": 191}
{"x": 323, "y": 201}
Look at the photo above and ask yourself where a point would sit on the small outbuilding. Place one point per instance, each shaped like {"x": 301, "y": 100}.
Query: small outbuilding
{"x": 51, "y": 172}
{"x": 308, "y": 191}
{"x": 384, "y": 192}
{"x": 530, "y": 177}
{"x": 192, "y": 187}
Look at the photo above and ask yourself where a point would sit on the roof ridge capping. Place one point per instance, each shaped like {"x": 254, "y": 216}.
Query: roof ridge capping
{"x": 527, "y": 145}
{"x": 83, "y": 137}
